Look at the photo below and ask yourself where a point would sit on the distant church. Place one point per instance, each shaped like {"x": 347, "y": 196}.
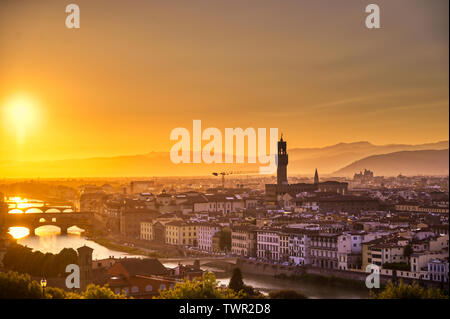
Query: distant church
{"x": 282, "y": 186}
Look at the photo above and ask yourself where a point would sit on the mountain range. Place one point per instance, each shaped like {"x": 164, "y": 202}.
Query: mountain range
{"x": 343, "y": 159}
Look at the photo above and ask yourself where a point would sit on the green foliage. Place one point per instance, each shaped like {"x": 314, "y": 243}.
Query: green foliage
{"x": 14, "y": 285}
{"x": 24, "y": 260}
{"x": 97, "y": 292}
{"x": 397, "y": 266}
{"x": 405, "y": 291}
{"x": 286, "y": 294}
{"x": 408, "y": 251}
{"x": 225, "y": 240}
{"x": 55, "y": 293}
{"x": 236, "y": 283}
{"x": 205, "y": 287}
{"x": 252, "y": 293}
{"x": 18, "y": 286}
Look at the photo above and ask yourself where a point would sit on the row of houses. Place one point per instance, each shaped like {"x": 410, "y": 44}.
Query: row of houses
{"x": 180, "y": 232}
{"x": 351, "y": 251}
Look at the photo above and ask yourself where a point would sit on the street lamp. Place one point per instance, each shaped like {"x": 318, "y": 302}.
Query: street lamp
{"x": 43, "y": 285}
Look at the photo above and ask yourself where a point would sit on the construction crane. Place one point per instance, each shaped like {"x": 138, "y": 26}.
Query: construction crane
{"x": 223, "y": 177}
{"x": 232, "y": 173}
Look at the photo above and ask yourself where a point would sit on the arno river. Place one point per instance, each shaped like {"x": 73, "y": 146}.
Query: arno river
{"x": 47, "y": 239}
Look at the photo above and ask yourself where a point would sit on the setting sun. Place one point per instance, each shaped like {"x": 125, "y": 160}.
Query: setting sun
{"x": 20, "y": 113}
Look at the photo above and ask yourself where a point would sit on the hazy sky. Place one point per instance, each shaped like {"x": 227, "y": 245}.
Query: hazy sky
{"x": 137, "y": 69}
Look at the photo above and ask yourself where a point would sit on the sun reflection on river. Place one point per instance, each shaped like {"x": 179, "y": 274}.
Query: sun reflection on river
{"x": 19, "y": 232}
{"x": 43, "y": 231}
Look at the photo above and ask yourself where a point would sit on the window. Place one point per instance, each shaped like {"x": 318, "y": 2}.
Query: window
{"x": 148, "y": 288}
{"x": 134, "y": 289}
{"x": 162, "y": 287}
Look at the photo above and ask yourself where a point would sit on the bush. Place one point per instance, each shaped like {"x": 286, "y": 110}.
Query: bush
{"x": 14, "y": 285}
{"x": 23, "y": 259}
{"x": 236, "y": 283}
{"x": 286, "y": 294}
{"x": 397, "y": 266}
{"x": 205, "y": 287}
{"x": 18, "y": 286}
{"x": 405, "y": 291}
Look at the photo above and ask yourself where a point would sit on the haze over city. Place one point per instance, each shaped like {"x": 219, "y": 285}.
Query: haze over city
{"x": 129, "y": 75}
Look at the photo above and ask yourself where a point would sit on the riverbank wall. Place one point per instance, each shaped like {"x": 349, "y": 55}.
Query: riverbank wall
{"x": 255, "y": 267}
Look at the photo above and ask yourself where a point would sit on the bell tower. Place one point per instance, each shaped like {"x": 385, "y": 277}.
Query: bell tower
{"x": 85, "y": 264}
{"x": 282, "y": 162}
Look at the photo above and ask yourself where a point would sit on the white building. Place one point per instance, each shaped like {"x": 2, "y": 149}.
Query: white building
{"x": 268, "y": 244}
{"x": 349, "y": 251}
{"x": 206, "y": 232}
{"x": 243, "y": 241}
{"x": 147, "y": 230}
{"x": 298, "y": 245}
{"x": 438, "y": 270}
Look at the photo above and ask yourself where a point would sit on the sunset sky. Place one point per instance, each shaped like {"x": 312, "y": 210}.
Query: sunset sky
{"x": 137, "y": 69}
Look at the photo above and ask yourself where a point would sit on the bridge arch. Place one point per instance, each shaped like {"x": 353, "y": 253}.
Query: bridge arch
{"x": 15, "y": 211}
{"x": 55, "y": 229}
{"x": 52, "y": 210}
{"x": 64, "y": 221}
{"x": 33, "y": 210}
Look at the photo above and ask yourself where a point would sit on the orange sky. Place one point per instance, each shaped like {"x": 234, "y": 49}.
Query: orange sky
{"x": 137, "y": 69}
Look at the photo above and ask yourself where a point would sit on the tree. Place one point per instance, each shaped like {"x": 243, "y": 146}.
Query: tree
{"x": 205, "y": 287}
{"x": 56, "y": 293}
{"x": 225, "y": 240}
{"x": 65, "y": 257}
{"x": 408, "y": 251}
{"x": 24, "y": 260}
{"x": 397, "y": 266}
{"x": 18, "y": 286}
{"x": 286, "y": 294}
{"x": 405, "y": 291}
{"x": 14, "y": 285}
{"x": 236, "y": 283}
{"x": 97, "y": 292}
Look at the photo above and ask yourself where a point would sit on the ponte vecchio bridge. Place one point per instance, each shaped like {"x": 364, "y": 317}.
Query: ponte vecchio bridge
{"x": 36, "y": 214}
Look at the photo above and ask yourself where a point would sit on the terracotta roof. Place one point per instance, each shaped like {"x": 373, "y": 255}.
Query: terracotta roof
{"x": 144, "y": 267}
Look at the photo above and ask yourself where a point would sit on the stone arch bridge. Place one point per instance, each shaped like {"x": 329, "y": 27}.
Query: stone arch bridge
{"x": 35, "y": 220}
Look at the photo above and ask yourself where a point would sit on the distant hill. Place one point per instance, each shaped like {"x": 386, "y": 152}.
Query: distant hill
{"x": 427, "y": 162}
{"x": 332, "y": 158}
{"x": 301, "y": 161}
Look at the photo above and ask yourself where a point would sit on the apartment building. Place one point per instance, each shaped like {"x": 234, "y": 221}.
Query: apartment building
{"x": 298, "y": 250}
{"x": 438, "y": 269}
{"x": 181, "y": 233}
{"x": 206, "y": 232}
{"x": 268, "y": 244}
{"x": 156, "y": 229}
{"x": 324, "y": 250}
{"x": 243, "y": 241}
